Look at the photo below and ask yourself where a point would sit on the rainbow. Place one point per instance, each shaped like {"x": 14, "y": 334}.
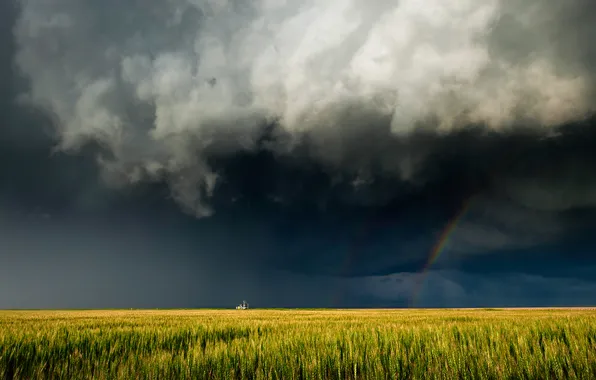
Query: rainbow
{"x": 439, "y": 247}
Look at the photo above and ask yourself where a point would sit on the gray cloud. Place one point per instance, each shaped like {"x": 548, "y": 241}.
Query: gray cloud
{"x": 440, "y": 288}
{"x": 159, "y": 85}
{"x": 495, "y": 224}
{"x": 329, "y": 142}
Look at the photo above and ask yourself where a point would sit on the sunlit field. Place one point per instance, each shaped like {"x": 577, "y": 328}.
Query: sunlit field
{"x": 299, "y": 344}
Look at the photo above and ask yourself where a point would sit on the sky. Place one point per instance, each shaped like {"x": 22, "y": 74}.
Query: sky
{"x": 197, "y": 153}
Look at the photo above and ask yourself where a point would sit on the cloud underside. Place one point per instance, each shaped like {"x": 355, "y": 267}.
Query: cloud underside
{"x": 164, "y": 87}
{"x": 346, "y": 136}
{"x": 456, "y": 289}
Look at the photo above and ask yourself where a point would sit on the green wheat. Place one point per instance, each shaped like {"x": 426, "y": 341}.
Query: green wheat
{"x": 299, "y": 344}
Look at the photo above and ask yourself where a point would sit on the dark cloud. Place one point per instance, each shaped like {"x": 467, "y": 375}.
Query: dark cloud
{"x": 460, "y": 289}
{"x": 209, "y": 149}
{"x": 138, "y": 80}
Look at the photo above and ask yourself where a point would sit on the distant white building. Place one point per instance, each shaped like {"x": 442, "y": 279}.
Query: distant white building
{"x": 242, "y": 306}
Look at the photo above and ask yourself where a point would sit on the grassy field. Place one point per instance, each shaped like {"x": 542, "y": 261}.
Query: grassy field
{"x": 299, "y": 344}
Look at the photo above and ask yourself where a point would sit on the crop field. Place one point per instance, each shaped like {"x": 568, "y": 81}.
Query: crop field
{"x": 300, "y": 344}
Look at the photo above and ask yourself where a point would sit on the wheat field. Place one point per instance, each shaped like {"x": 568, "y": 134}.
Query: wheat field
{"x": 299, "y": 344}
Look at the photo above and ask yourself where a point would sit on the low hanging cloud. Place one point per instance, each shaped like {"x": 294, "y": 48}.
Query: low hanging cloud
{"x": 166, "y": 88}
{"x": 444, "y": 288}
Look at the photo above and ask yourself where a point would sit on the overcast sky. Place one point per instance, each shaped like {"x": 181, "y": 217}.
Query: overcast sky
{"x": 195, "y": 153}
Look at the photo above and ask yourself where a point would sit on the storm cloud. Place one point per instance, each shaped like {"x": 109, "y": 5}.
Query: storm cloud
{"x": 315, "y": 144}
{"x": 162, "y": 86}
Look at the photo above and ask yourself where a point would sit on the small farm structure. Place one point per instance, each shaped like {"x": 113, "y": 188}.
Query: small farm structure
{"x": 242, "y": 306}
